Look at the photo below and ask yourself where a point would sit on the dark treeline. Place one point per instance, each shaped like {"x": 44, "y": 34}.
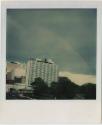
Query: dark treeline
{"x": 62, "y": 90}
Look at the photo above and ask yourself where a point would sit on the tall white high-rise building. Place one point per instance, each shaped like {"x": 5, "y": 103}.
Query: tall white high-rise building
{"x": 45, "y": 69}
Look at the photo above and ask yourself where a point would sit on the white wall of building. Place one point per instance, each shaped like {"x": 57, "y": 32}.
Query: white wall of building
{"x": 48, "y": 71}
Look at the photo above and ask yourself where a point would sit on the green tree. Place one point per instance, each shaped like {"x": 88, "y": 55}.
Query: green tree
{"x": 40, "y": 89}
{"x": 88, "y": 90}
{"x": 66, "y": 89}
{"x": 53, "y": 89}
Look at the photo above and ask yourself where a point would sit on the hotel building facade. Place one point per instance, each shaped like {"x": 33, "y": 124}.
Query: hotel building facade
{"x": 45, "y": 69}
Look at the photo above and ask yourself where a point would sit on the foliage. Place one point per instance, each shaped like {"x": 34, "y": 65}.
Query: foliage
{"x": 40, "y": 89}
{"x": 88, "y": 90}
{"x": 63, "y": 89}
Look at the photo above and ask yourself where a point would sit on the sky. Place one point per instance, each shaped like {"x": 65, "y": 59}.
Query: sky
{"x": 67, "y": 36}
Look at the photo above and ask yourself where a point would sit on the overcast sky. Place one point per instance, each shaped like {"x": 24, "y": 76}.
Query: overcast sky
{"x": 66, "y": 36}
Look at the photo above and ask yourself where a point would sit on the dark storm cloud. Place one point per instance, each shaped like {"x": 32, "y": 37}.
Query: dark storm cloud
{"x": 67, "y": 36}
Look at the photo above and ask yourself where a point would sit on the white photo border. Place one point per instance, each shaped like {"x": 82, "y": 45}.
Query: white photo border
{"x": 45, "y": 111}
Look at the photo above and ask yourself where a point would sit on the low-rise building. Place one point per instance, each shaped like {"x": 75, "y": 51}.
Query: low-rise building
{"x": 47, "y": 70}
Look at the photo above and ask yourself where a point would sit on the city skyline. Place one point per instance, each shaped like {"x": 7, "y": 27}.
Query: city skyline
{"x": 20, "y": 70}
{"x": 41, "y": 79}
{"x": 67, "y": 36}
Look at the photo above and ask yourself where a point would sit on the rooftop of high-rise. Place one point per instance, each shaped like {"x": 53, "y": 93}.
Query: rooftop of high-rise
{"x": 45, "y": 60}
